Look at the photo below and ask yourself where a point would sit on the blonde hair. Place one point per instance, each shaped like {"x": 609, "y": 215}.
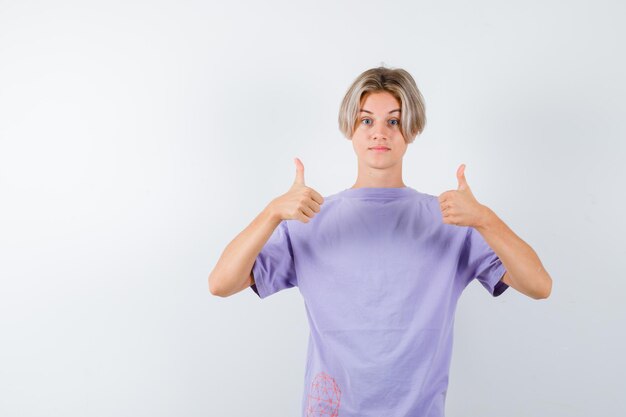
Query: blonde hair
{"x": 400, "y": 84}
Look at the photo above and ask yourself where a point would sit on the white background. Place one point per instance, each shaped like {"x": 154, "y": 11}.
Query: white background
{"x": 138, "y": 138}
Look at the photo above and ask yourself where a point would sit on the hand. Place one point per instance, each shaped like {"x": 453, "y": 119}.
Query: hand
{"x": 300, "y": 202}
{"x": 459, "y": 207}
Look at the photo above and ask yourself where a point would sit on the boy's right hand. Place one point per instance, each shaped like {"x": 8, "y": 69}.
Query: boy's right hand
{"x": 300, "y": 202}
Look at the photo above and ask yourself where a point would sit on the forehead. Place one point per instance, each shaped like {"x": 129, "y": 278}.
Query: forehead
{"x": 379, "y": 102}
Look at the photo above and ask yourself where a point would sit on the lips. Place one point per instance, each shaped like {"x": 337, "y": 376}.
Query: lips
{"x": 380, "y": 148}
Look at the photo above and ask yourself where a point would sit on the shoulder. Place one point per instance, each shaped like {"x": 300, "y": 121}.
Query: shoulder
{"x": 328, "y": 211}
{"x": 426, "y": 197}
{"x": 428, "y": 201}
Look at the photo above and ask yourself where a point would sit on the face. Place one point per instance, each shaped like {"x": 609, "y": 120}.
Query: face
{"x": 378, "y": 125}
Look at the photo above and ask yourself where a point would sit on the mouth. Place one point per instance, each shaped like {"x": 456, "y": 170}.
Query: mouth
{"x": 380, "y": 148}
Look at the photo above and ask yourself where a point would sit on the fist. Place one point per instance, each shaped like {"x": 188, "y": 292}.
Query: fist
{"x": 459, "y": 207}
{"x": 300, "y": 202}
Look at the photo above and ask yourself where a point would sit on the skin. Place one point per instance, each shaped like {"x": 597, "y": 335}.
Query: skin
{"x": 380, "y": 128}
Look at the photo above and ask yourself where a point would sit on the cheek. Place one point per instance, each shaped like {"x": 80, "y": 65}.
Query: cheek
{"x": 399, "y": 150}
{"x": 358, "y": 142}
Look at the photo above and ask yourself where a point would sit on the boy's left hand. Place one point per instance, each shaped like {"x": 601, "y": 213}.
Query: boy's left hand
{"x": 459, "y": 207}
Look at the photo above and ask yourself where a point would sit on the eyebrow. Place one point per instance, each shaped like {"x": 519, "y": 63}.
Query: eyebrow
{"x": 367, "y": 111}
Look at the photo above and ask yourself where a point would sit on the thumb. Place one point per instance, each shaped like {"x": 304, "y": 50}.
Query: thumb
{"x": 460, "y": 176}
{"x": 299, "y": 172}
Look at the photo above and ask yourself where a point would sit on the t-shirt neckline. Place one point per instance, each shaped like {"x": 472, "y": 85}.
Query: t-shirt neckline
{"x": 378, "y": 192}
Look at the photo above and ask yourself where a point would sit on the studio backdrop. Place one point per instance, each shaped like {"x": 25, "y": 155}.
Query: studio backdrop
{"x": 137, "y": 139}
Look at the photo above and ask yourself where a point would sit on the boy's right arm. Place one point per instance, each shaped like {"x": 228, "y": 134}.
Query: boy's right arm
{"x": 233, "y": 271}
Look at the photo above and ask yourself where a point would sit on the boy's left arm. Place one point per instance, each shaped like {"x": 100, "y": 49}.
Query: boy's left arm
{"x": 524, "y": 270}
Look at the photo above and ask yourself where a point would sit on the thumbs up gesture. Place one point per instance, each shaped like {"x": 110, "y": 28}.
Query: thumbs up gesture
{"x": 300, "y": 202}
{"x": 459, "y": 207}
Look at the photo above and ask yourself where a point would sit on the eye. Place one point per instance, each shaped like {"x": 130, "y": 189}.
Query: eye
{"x": 397, "y": 122}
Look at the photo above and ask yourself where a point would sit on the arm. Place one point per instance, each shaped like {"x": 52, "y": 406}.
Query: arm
{"x": 233, "y": 271}
{"x": 525, "y": 271}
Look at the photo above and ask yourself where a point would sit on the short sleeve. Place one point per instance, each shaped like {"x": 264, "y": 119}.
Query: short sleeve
{"x": 273, "y": 269}
{"x": 479, "y": 261}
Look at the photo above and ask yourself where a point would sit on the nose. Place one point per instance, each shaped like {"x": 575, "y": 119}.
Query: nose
{"x": 381, "y": 133}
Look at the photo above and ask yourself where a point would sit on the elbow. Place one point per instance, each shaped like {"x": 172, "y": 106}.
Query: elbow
{"x": 213, "y": 287}
{"x": 546, "y": 291}
{"x": 549, "y": 290}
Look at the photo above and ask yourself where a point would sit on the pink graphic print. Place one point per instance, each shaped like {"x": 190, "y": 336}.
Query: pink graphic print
{"x": 324, "y": 397}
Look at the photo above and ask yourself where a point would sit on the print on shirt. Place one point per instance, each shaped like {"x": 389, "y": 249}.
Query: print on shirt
{"x": 324, "y": 397}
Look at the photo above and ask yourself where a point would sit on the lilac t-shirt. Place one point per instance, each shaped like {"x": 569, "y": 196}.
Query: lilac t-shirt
{"x": 380, "y": 275}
